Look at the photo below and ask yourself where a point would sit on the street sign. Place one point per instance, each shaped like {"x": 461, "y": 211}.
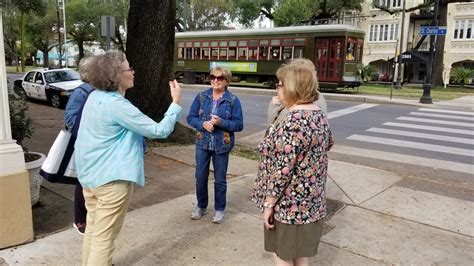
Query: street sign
{"x": 433, "y": 30}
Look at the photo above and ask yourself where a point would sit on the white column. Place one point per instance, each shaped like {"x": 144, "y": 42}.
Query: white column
{"x": 11, "y": 155}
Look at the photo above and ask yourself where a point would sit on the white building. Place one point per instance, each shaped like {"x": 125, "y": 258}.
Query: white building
{"x": 72, "y": 54}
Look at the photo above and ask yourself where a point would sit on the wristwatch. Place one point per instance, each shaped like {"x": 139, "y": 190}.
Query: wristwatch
{"x": 268, "y": 205}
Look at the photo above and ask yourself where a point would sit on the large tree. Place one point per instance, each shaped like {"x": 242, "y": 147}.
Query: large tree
{"x": 150, "y": 46}
{"x": 40, "y": 32}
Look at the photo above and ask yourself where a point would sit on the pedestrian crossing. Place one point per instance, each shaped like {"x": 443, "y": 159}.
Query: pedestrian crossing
{"x": 424, "y": 136}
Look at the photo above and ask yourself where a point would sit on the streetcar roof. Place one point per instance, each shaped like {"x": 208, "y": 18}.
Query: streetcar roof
{"x": 277, "y": 30}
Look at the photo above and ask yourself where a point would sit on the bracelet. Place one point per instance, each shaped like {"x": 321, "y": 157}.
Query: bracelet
{"x": 268, "y": 205}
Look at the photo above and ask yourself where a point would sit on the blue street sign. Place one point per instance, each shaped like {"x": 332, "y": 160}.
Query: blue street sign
{"x": 433, "y": 30}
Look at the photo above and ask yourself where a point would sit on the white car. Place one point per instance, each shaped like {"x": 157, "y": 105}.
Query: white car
{"x": 52, "y": 85}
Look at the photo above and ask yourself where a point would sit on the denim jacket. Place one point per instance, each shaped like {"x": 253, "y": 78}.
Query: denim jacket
{"x": 230, "y": 112}
{"x": 74, "y": 104}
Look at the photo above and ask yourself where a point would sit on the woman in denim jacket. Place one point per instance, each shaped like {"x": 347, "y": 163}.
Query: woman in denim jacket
{"x": 215, "y": 114}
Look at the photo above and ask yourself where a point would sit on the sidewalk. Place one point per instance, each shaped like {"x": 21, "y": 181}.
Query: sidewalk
{"x": 384, "y": 219}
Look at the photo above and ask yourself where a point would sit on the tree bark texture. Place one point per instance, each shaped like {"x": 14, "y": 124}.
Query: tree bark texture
{"x": 150, "y": 47}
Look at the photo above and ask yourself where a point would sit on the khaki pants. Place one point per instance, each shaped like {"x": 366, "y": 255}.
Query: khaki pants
{"x": 106, "y": 209}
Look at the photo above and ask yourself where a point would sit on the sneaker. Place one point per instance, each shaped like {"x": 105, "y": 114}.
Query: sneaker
{"x": 198, "y": 213}
{"x": 80, "y": 227}
{"x": 218, "y": 217}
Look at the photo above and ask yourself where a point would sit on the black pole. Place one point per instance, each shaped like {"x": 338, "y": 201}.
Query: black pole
{"x": 400, "y": 52}
{"x": 428, "y": 83}
{"x": 59, "y": 39}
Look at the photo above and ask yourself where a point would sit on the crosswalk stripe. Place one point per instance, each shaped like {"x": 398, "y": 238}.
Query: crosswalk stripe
{"x": 421, "y": 135}
{"x": 446, "y": 111}
{"x": 443, "y": 116}
{"x": 412, "y": 144}
{"x": 406, "y": 159}
{"x": 349, "y": 110}
{"x": 431, "y": 128}
{"x": 435, "y": 121}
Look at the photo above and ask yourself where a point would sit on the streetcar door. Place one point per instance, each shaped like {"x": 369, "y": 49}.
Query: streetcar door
{"x": 329, "y": 58}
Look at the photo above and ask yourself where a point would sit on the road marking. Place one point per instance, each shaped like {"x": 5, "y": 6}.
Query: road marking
{"x": 350, "y": 110}
{"x": 412, "y": 145}
{"x": 446, "y": 111}
{"x": 435, "y": 121}
{"x": 406, "y": 159}
{"x": 431, "y": 128}
{"x": 421, "y": 135}
{"x": 443, "y": 116}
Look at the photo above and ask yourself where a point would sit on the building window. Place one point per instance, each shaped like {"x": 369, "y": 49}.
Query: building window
{"x": 463, "y": 29}
{"x": 383, "y": 32}
{"x": 389, "y": 3}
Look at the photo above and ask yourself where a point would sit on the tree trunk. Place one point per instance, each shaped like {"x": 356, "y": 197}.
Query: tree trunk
{"x": 439, "y": 46}
{"x": 45, "y": 58}
{"x": 150, "y": 46}
{"x": 80, "y": 46}
{"x": 23, "y": 40}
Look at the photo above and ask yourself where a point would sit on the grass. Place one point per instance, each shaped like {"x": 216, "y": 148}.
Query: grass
{"x": 12, "y": 69}
{"x": 438, "y": 93}
{"x": 245, "y": 152}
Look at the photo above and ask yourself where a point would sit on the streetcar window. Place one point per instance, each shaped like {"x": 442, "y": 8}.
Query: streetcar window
{"x": 181, "y": 50}
{"x": 214, "y": 50}
{"x": 287, "y": 51}
{"x": 189, "y": 50}
{"x": 223, "y": 44}
{"x": 300, "y": 42}
{"x": 253, "y": 50}
{"x": 205, "y": 50}
{"x": 360, "y": 43}
{"x": 350, "y": 50}
{"x": 287, "y": 42}
{"x": 275, "y": 49}
{"x": 243, "y": 53}
{"x": 197, "y": 53}
{"x": 205, "y": 53}
{"x": 263, "y": 50}
{"x": 223, "y": 53}
{"x": 232, "y": 49}
{"x": 298, "y": 52}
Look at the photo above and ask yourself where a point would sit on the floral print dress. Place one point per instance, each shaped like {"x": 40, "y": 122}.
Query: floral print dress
{"x": 293, "y": 167}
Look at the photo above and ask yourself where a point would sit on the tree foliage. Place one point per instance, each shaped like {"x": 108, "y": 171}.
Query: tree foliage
{"x": 463, "y": 75}
{"x": 40, "y": 33}
{"x": 204, "y": 14}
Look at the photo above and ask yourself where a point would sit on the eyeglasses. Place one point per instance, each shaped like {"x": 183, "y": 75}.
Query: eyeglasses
{"x": 130, "y": 69}
{"x": 218, "y": 78}
{"x": 278, "y": 86}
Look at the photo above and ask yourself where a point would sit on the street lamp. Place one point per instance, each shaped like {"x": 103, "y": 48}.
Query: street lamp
{"x": 428, "y": 82}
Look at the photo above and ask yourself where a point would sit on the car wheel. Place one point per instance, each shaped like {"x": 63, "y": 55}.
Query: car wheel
{"x": 55, "y": 100}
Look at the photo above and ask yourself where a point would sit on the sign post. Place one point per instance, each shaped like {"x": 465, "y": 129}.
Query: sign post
{"x": 107, "y": 27}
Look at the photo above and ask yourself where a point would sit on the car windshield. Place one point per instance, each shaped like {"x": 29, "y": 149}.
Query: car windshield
{"x": 60, "y": 76}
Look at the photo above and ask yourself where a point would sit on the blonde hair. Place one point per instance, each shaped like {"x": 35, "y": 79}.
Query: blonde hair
{"x": 83, "y": 68}
{"x": 105, "y": 70}
{"x": 300, "y": 84}
{"x": 226, "y": 73}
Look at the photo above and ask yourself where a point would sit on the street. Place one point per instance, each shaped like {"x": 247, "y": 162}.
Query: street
{"x": 432, "y": 144}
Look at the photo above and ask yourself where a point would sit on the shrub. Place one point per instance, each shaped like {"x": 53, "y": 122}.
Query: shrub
{"x": 367, "y": 72}
{"x": 21, "y": 124}
{"x": 462, "y": 75}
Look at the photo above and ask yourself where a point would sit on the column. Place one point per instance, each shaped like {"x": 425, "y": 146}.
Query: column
{"x": 16, "y": 222}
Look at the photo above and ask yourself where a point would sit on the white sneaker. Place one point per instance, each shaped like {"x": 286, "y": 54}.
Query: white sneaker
{"x": 218, "y": 217}
{"x": 198, "y": 213}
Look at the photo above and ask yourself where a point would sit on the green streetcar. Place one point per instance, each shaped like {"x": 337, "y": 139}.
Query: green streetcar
{"x": 254, "y": 55}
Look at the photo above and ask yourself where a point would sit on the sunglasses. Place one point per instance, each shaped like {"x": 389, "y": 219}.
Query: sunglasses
{"x": 218, "y": 78}
{"x": 130, "y": 69}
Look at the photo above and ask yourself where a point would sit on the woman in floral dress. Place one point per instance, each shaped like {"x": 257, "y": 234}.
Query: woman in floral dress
{"x": 291, "y": 183}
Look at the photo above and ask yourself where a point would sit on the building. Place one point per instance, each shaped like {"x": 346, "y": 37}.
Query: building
{"x": 383, "y": 32}
{"x": 72, "y": 54}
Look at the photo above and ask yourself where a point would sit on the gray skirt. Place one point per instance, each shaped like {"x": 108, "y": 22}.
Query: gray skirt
{"x": 291, "y": 241}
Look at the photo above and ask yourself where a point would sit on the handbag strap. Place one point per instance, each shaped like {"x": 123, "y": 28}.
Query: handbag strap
{"x": 70, "y": 146}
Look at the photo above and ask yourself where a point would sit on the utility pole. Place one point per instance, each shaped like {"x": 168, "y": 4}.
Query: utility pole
{"x": 59, "y": 36}
{"x": 428, "y": 82}
{"x": 400, "y": 49}
{"x": 65, "y": 34}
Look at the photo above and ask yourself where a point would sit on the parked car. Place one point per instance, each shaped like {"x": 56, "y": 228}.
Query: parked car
{"x": 52, "y": 85}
